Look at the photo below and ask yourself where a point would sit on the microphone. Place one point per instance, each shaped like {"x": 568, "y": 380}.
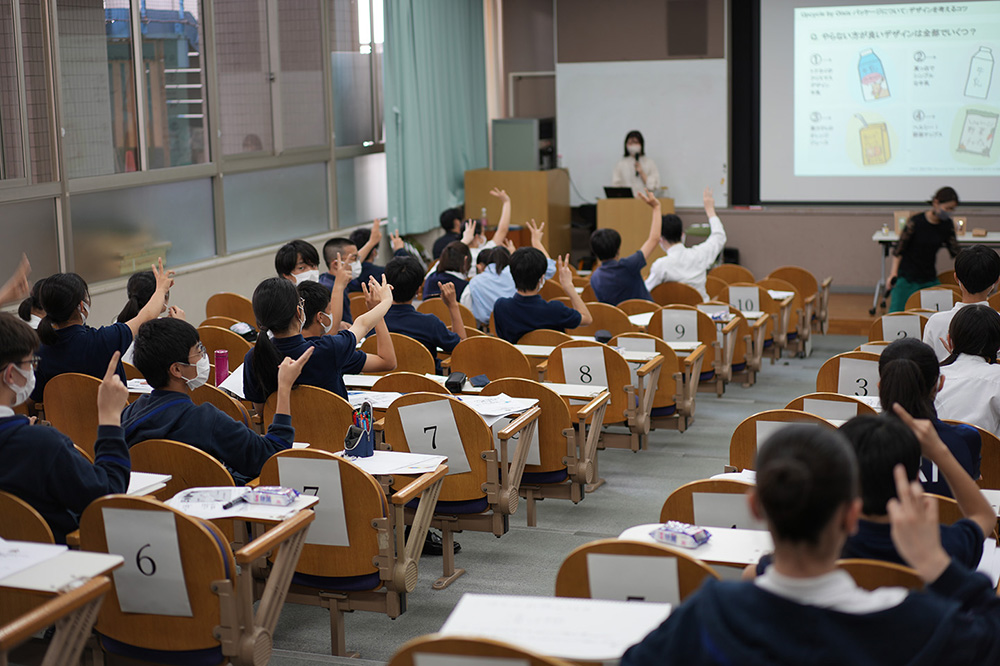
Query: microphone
{"x": 637, "y": 164}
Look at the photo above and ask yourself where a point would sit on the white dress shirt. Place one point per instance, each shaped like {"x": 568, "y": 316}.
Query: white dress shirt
{"x": 689, "y": 264}
{"x": 937, "y": 328}
{"x": 835, "y": 590}
{"x": 971, "y": 393}
{"x": 624, "y": 174}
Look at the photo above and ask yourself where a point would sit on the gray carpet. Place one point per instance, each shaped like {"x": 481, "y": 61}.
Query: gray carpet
{"x": 525, "y": 560}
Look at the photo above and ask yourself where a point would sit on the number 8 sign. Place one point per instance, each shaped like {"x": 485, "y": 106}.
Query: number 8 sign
{"x": 585, "y": 365}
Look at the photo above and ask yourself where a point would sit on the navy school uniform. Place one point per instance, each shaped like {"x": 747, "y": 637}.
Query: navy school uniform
{"x": 427, "y": 329}
{"x": 369, "y": 270}
{"x": 327, "y": 280}
{"x": 39, "y": 465}
{"x": 519, "y": 314}
{"x": 964, "y": 443}
{"x": 81, "y": 349}
{"x": 617, "y": 280}
{"x": 335, "y": 356}
{"x": 441, "y": 243}
{"x": 432, "y": 285}
{"x": 172, "y": 415}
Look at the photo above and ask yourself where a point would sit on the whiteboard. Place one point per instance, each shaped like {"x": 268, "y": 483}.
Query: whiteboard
{"x": 680, "y": 106}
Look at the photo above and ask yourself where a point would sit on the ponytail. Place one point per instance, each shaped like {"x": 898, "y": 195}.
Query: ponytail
{"x": 275, "y": 302}
{"x": 60, "y": 296}
{"x": 32, "y": 303}
{"x": 908, "y": 374}
{"x": 141, "y": 287}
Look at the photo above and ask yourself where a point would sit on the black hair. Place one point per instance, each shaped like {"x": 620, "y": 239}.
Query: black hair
{"x": 671, "y": 228}
{"x": 527, "y": 267}
{"x": 449, "y": 216}
{"x": 805, "y": 473}
{"x": 635, "y": 134}
{"x": 977, "y": 268}
{"x": 141, "y": 287}
{"x": 605, "y": 243}
{"x": 908, "y": 372}
{"x": 31, "y": 303}
{"x": 61, "y": 295}
{"x": 332, "y": 247}
{"x": 160, "y": 343}
{"x": 455, "y": 257}
{"x": 360, "y": 237}
{"x": 17, "y": 339}
{"x": 275, "y": 306}
{"x": 946, "y": 195}
{"x": 288, "y": 256}
{"x": 880, "y": 443}
{"x": 316, "y": 299}
{"x": 974, "y": 330}
{"x": 405, "y": 275}
{"x": 499, "y": 256}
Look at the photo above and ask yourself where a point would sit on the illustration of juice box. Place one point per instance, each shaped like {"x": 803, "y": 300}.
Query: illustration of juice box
{"x": 873, "y": 83}
{"x": 874, "y": 143}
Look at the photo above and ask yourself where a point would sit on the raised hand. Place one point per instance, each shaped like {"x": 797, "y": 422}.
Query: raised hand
{"x": 500, "y": 194}
{"x": 341, "y": 272}
{"x": 509, "y": 244}
{"x": 164, "y": 278}
{"x": 376, "y": 232}
{"x": 563, "y": 273}
{"x": 112, "y": 395}
{"x": 469, "y": 232}
{"x": 709, "y": 201}
{"x": 17, "y": 286}
{"x": 376, "y": 292}
{"x": 175, "y": 312}
{"x": 537, "y": 231}
{"x": 448, "y": 293}
{"x": 395, "y": 241}
{"x": 648, "y": 197}
{"x": 915, "y": 529}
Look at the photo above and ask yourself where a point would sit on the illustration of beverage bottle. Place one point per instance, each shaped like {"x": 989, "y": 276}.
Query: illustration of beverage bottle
{"x": 873, "y": 83}
{"x": 980, "y": 74}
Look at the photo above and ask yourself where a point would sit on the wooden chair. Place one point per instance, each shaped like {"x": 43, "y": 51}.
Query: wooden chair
{"x": 989, "y": 467}
{"x": 567, "y": 449}
{"x": 551, "y": 289}
{"x": 935, "y": 299}
{"x": 221, "y": 322}
{"x": 605, "y": 318}
{"x": 994, "y": 301}
{"x": 876, "y": 347}
{"x": 234, "y": 306}
{"x": 493, "y": 357}
{"x": 800, "y": 317}
{"x": 732, "y": 273}
{"x": 631, "y": 404}
{"x": 470, "y": 650}
{"x": 815, "y": 296}
{"x": 222, "y": 620}
{"x": 472, "y": 332}
{"x": 379, "y": 567}
{"x": 743, "y": 444}
{"x": 436, "y": 307}
{"x": 714, "y": 286}
{"x": 481, "y": 499}
{"x": 828, "y": 405}
{"x": 131, "y": 372}
{"x": 321, "y": 418}
{"x": 891, "y": 327}
{"x": 675, "y": 293}
{"x": 357, "y": 305}
{"x": 634, "y": 306}
{"x": 573, "y": 579}
{"x": 948, "y": 277}
{"x": 829, "y": 379}
{"x": 544, "y": 336}
{"x": 188, "y": 466}
{"x": 714, "y": 375}
{"x": 217, "y": 397}
{"x": 873, "y": 574}
{"x": 214, "y": 338}
{"x": 71, "y": 407}
{"x": 411, "y": 355}
{"x": 674, "y": 402}
{"x": 948, "y": 510}
{"x": 681, "y": 504}
{"x": 408, "y": 382}
{"x": 742, "y": 340}
{"x": 21, "y": 522}
{"x": 776, "y": 335}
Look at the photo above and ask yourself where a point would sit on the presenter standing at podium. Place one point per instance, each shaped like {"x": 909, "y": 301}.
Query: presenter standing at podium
{"x": 635, "y": 169}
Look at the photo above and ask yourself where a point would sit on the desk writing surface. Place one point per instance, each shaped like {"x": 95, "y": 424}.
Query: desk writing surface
{"x": 727, "y": 546}
{"x": 543, "y": 351}
{"x": 66, "y": 570}
{"x": 641, "y": 319}
{"x": 580, "y": 391}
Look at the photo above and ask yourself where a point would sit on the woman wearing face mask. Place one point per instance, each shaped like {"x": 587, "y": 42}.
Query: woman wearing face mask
{"x": 69, "y": 345}
{"x": 318, "y": 308}
{"x": 454, "y": 267}
{"x": 635, "y": 169}
{"x": 140, "y": 288}
{"x": 913, "y": 260}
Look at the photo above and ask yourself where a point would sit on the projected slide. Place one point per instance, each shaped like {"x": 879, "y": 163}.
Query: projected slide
{"x": 897, "y": 90}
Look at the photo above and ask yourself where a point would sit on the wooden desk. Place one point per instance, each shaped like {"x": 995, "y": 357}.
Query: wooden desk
{"x": 727, "y": 546}
{"x": 630, "y": 218}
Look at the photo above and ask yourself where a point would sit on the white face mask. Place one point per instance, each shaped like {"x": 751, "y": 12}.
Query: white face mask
{"x": 310, "y": 275}
{"x": 633, "y": 149}
{"x": 355, "y": 269}
{"x": 326, "y": 327}
{"x": 84, "y": 311}
{"x": 21, "y": 393}
{"x": 35, "y": 321}
{"x": 203, "y": 367}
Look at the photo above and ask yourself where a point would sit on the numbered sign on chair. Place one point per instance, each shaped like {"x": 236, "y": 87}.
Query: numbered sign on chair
{"x": 897, "y": 327}
{"x": 152, "y": 578}
{"x": 584, "y": 365}
{"x": 765, "y": 429}
{"x": 633, "y": 578}
{"x": 724, "y": 510}
{"x": 429, "y": 427}
{"x": 680, "y": 325}
{"x": 832, "y": 410}
{"x": 745, "y": 299}
{"x": 534, "y": 454}
{"x": 858, "y": 377}
{"x": 873, "y": 348}
{"x": 938, "y": 300}
{"x": 320, "y": 478}
{"x": 647, "y": 345}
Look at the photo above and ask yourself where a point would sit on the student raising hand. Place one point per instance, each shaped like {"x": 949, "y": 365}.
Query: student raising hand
{"x": 112, "y": 395}
{"x": 537, "y": 235}
{"x": 916, "y": 530}
{"x": 564, "y": 274}
{"x": 469, "y": 233}
{"x": 395, "y": 241}
{"x": 17, "y": 286}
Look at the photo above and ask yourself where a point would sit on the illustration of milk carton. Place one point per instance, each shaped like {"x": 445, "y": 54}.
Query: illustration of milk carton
{"x": 980, "y": 74}
{"x": 873, "y": 83}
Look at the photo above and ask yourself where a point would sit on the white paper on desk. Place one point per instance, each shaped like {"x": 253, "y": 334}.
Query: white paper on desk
{"x": 534, "y": 455}
{"x": 680, "y": 325}
{"x": 429, "y": 659}
{"x": 320, "y": 478}
{"x": 378, "y": 399}
{"x": 234, "y": 383}
{"x": 396, "y": 462}
{"x": 151, "y": 580}
{"x": 858, "y": 377}
{"x": 780, "y": 294}
{"x": 139, "y": 386}
{"x": 714, "y": 310}
{"x": 989, "y": 564}
{"x": 633, "y": 578}
{"x": 728, "y": 510}
{"x": 360, "y": 381}
{"x": 897, "y": 327}
{"x": 144, "y": 483}
{"x": 584, "y": 365}
{"x": 498, "y": 405}
{"x": 938, "y": 300}
{"x": 641, "y": 319}
{"x": 207, "y": 502}
{"x": 429, "y": 427}
{"x": 745, "y": 299}
{"x": 17, "y": 556}
{"x": 647, "y": 345}
{"x": 830, "y": 409}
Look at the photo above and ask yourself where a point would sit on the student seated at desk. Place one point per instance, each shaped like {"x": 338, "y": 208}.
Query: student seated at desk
{"x": 971, "y": 390}
{"x": 977, "y": 270}
{"x": 279, "y": 311}
{"x": 453, "y": 267}
{"x": 169, "y": 354}
{"x": 804, "y": 609}
{"x": 368, "y": 241}
{"x": 318, "y": 307}
{"x": 39, "y": 464}
{"x": 617, "y": 280}
{"x": 342, "y": 267}
{"x": 69, "y": 345}
{"x": 140, "y": 288}
{"x": 526, "y": 310}
{"x": 297, "y": 260}
{"x": 404, "y": 276}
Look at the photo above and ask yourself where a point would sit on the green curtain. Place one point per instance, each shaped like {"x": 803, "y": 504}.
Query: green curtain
{"x": 435, "y": 106}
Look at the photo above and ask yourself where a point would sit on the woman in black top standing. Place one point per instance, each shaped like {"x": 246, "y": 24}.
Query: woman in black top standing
{"x": 913, "y": 259}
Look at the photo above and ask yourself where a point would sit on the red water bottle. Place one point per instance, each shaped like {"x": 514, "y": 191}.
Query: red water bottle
{"x": 221, "y": 366}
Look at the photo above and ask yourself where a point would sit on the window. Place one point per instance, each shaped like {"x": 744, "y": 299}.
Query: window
{"x": 355, "y": 25}
{"x": 11, "y": 149}
{"x": 362, "y": 193}
{"x": 29, "y": 226}
{"x": 244, "y": 76}
{"x": 300, "y": 40}
{"x": 36, "y": 84}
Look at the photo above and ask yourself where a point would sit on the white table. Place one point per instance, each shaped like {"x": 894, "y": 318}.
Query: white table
{"x": 53, "y": 572}
{"x": 727, "y": 546}
{"x": 543, "y": 351}
{"x": 641, "y": 319}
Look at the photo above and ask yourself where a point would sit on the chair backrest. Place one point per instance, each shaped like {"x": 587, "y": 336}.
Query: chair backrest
{"x": 544, "y": 336}
{"x": 234, "y": 306}
{"x": 493, "y": 357}
{"x": 358, "y": 305}
{"x": 411, "y": 355}
{"x": 757, "y": 428}
{"x": 447, "y": 650}
{"x": 188, "y": 466}
{"x": 408, "y": 382}
{"x": 896, "y": 326}
{"x": 321, "y": 418}
{"x": 949, "y": 512}
{"x": 876, "y": 347}
{"x": 850, "y": 373}
{"x": 550, "y": 441}
{"x": 666, "y": 388}
{"x": 712, "y": 503}
{"x": 551, "y": 289}
{"x": 740, "y": 295}
{"x": 673, "y": 324}
{"x": 637, "y": 306}
{"x": 605, "y": 318}
{"x": 742, "y": 330}
{"x": 873, "y": 574}
{"x": 71, "y": 407}
{"x": 472, "y": 332}
{"x": 437, "y": 307}
{"x": 131, "y": 372}
{"x": 21, "y": 522}
{"x": 948, "y": 277}
{"x": 232, "y": 408}
{"x": 798, "y": 304}
{"x": 989, "y": 467}
{"x": 832, "y": 406}
{"x": 936, "y": 299}
{"x": 804, "y": 281}
{"x": 732, "y": 273}
{"x": 221, "y": 322}
{"x": 593, "y": 363}
{"x": 195, "y": 547}
{"x": 215, "y": 338}
{"x": 714, "y": 286}
{"x": 622, "y": 570}
{"x": 675, "y": 293}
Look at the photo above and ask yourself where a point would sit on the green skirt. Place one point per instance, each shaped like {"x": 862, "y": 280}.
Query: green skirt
{"x": 904, "y": 289}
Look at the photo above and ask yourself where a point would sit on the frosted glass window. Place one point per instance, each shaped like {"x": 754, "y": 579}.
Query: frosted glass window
{"x": 300, "y": 39}
{"x": 29, "y": 227}
{"x": 353, "y": 38}
{"x": 11, "y": 155}
{"x": 36, "y": 91}
{"x": 244, "y": 76}
{"x": 122, "y": 231}
{"x": 362, "y": 193}
{"x": 274, "y": 206}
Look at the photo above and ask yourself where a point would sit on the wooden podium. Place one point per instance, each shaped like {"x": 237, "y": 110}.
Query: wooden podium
{"x": 631, "y": 218}
{"x": 539, "y": 195}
